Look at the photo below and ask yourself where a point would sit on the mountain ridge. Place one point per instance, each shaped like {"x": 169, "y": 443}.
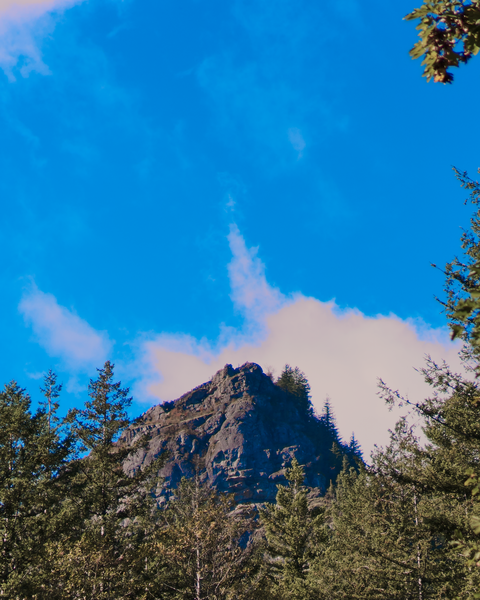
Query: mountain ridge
{"x": 238, "y": 431}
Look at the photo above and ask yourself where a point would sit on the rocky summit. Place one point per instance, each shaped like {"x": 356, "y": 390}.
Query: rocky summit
{"x": 239, "y": 432}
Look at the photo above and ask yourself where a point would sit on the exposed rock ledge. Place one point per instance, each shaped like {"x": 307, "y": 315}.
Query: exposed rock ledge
{"x": 241, "y": 430}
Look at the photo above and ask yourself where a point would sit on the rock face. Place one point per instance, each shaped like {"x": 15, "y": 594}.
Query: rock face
{"x": 239, "y": 431}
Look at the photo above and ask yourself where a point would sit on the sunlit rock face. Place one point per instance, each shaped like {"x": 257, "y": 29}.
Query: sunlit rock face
{"x": 238, "y": 431}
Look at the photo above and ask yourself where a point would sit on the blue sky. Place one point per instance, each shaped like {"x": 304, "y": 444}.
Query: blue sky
{"x": 183, "y": 182}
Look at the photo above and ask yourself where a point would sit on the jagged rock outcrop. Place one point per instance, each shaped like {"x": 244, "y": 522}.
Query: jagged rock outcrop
{"x": 239, "y": 431}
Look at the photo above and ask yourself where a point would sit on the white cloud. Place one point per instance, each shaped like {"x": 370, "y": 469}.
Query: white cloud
{"x": 23, "y": 26}
{"x": 251, "y": 293}
{"x": 342, "y": 352}
{"x": 25, "y": 7}
{"x": 62, "y": 333}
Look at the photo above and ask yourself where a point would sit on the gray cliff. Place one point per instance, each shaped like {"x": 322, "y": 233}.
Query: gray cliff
{"x": 239, "y": 431}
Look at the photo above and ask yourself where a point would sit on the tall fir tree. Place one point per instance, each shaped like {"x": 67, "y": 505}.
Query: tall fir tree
{"x": 106, "y": 508}
{"x": 387, "y": 532}
{"x": 51, "y": 390}
{"x": 33, "y": 456}
{"x": 451, "y": 415}
{"x": 451, "y": 418}
{"x": 329, "y": 421}
{"x": 295, "y": 536}
{"x": 355, "y": 449}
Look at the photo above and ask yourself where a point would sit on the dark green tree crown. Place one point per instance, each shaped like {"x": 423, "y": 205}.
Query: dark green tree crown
{"x": 105, "y": 416}
{"x": 329, "y": 421}
{"x": 295, "y": 382}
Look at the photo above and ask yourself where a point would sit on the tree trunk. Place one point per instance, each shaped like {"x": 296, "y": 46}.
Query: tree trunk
{"x": 419, "y": 552}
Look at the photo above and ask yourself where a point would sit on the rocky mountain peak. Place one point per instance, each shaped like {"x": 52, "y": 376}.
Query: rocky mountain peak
{"x": 239, "y": 431}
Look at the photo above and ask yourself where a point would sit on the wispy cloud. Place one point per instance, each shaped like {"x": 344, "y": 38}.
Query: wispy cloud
{"x": 259, "y": 96}
{"x": 341, "y": 351}
{"x": 235, "y": 190}
{"x": 296, "y": 139}
{"x": 251, "y": 294}
{"x": 24, "y": 24}
{"x": 62, "y": 333}
{"x": 26, "y": 8}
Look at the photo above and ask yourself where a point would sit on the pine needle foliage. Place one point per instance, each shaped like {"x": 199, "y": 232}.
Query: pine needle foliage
{"x": 203, "y": 549}
{"x": 33, "y": 454}
{"x": 386, "y": 534}
{"x": 462, "y": 278}
{"x": 105, "y": 508}
{"x": 329, "y": 421}
{"x": 295, "y": 536}
{"x": 295, "y": 382}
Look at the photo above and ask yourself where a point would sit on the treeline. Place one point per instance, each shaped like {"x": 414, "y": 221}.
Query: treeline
{"x": 323, "y": 427}
{"x": 73, "y": 525}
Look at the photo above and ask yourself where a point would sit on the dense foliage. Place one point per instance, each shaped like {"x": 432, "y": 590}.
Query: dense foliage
{"x": 449, "y": 32}
{"x": 295, "y": 382}
{"x": 74, "y": 525}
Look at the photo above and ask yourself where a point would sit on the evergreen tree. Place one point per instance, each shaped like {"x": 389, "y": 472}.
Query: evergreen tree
{"x": 105, "y": 508}
{"x": 451, "y": 424}
{"x": 295, "y": 382}
{"x": 51, "y": 390}
{"x": 354, "y": 448}
{"x": 451, "y": 415}
{"x": 462, "y": 303}
{"x": 337, "y": 450}
{"x": 327, "y": 418}
{"x": 32, "y": 456}
{"x": 202, "y": 549}
{"x": 295, "y": 536}
{"x": 387, "y": 532}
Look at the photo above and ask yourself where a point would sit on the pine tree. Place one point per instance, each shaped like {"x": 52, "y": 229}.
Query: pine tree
{"x": 202, "y": 549}
{"x": 451, "y": 425}
{"x": 295, "y": 382}
{"x": 354, "y": 448}
{"x": 387, "y": 532}
{"x": 106, "y": 508}
{"x": 51, "y": 390}
{"x": 336, "y": 450}
{"x": 452, "y": 414}
{"x": 327, "y": 418}
{"x": 295, "y": 536}
{"x": 33, "y": 454}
